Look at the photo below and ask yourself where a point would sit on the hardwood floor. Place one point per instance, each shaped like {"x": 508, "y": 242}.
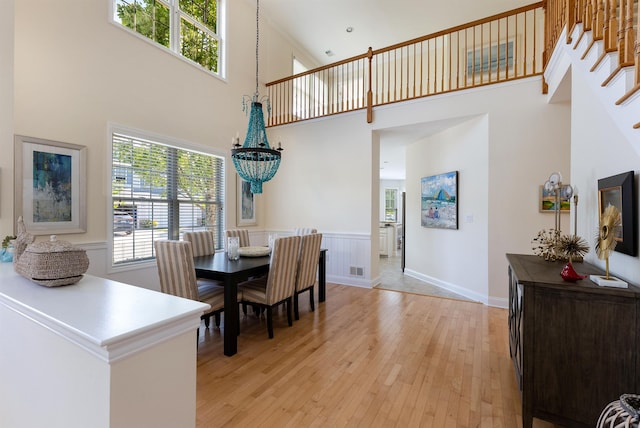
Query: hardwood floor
{"x": 369, "y": 358}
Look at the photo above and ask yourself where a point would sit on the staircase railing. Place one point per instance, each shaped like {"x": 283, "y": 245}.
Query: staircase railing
{"x": 496, "y": 49}
{"x": 615, "y": 22}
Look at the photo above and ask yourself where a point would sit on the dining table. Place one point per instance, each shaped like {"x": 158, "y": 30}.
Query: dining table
{"x": 232, "y": 272}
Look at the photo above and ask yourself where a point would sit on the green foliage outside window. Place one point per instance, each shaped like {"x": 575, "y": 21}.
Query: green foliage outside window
{"x": 198, "y": 46}
{"x": 196, "y": 25}
{"x": 203, "y": 11}
{"x": 147, "y": 17}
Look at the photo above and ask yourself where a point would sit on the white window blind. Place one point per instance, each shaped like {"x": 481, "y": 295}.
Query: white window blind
{"x": 158, "y": 192}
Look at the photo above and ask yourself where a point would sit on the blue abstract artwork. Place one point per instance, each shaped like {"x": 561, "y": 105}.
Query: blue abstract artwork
{"x": 52, "y": 187}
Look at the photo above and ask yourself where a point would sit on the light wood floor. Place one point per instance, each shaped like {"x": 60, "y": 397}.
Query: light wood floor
{"x": 366, "y": 358}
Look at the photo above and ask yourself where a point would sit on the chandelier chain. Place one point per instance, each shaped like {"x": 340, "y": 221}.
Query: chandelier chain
{"x": 257, "y": 41}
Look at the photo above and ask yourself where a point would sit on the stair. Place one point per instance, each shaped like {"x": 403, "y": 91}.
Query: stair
{"x": 614, "y": 85}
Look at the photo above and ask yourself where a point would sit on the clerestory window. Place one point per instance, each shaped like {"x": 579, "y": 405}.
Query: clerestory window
{"x": 159, "y": 191}
{"x": 190, "y": 28}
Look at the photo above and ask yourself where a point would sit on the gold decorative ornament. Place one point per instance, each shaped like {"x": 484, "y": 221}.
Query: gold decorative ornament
{"x": 608, "y": 230}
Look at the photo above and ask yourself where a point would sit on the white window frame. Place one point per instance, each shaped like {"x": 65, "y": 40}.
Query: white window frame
{"x": 160, "y": 139}
{"x": 175, "y": 15}
{"x": 307, "y": 92}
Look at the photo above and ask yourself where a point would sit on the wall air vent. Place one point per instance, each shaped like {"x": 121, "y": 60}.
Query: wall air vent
{"x": 356, "y": 271}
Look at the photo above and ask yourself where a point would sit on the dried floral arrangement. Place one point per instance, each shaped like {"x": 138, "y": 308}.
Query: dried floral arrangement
{"x": 544, "y": 244}
{"x": 552, "y": 246}
{"x": 572, "y": 247}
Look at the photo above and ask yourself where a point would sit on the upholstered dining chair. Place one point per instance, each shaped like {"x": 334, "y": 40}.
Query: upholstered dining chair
{"x": 300, "y": 231}
{"x": 307, "y": 268}
{"x": 203, "y": 242}
{"x": 178, "y": 277}
{"x": 279, "y": 284}
{"x": 242, "y": 234}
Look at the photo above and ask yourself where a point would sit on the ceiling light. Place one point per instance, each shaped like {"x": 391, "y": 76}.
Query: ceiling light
{"x": 349, "y": 29}
{"x": 255, "y": 161}
{"x": 329, "y": 52}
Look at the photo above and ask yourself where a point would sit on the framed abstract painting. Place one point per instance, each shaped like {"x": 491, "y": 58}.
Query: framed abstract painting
{"x": 246, "y": 203}
{"x": 50, "y": 179}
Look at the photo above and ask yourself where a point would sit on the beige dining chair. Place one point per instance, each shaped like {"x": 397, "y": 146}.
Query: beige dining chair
{"x": 242, "y": 234}
{"x": 300, "y": 231}
{"x": 203, "y": 242}
{"x": 279, "y": 284}
{"x": 307, "y": 269}
{"x": 178, "y": 277}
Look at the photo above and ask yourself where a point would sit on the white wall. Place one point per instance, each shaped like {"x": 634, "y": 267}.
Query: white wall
{"x": 324, "y": 180}
{"x": 454, "y": 259}
{"x": 599, "y": 150}
{"x": 503, "y": 159}
{"x": 6, "y": 117}
{"x": 336, "y": 158}
{"x": 602, "y": 144}
{"x": 75, "y": 73}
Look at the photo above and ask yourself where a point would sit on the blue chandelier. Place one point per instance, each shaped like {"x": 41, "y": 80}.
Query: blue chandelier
{"x": 255, "y": 161}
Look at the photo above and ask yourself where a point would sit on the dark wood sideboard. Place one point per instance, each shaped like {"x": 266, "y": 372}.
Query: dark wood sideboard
{"x": 574, "y": 346}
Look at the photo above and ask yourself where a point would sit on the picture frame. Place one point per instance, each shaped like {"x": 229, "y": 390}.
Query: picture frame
{"x": 547, "y": 202}
{"x": 619, "y": 190}
{"x": 489, "y": 61}
{"x": 491, "y": 58}
{"x": 439, "y": 201}
{"x": 50, "y": 180}
{"x": 246, "y": 211}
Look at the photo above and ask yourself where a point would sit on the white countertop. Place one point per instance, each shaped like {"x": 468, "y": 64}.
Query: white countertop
{"x": 107, "y": 318}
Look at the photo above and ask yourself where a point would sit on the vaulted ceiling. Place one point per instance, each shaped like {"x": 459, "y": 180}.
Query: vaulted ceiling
{"x": 318, "y": 26}
{"x": 321, "y": 25}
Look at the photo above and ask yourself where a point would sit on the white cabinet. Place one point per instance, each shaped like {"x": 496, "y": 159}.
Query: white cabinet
{"x": 98, "y": 353}
{"x": 384, "y": 251}
{"x": 387, "y": 240}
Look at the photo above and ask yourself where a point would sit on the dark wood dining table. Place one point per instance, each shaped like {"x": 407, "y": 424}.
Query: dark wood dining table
{"x": 232, "y": 272}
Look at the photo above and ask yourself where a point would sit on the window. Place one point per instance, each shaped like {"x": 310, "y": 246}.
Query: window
{"x": 307, "y": 93}
{"x": 390, "y": 205}
{"x": 158, "y": 192}
{"x": 189, "y": 28}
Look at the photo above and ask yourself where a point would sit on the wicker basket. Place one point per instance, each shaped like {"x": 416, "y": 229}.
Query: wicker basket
{"x": 51, "y": 263}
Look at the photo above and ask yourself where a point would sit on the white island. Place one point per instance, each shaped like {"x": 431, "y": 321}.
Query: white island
{"x": 97, "y": 354}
